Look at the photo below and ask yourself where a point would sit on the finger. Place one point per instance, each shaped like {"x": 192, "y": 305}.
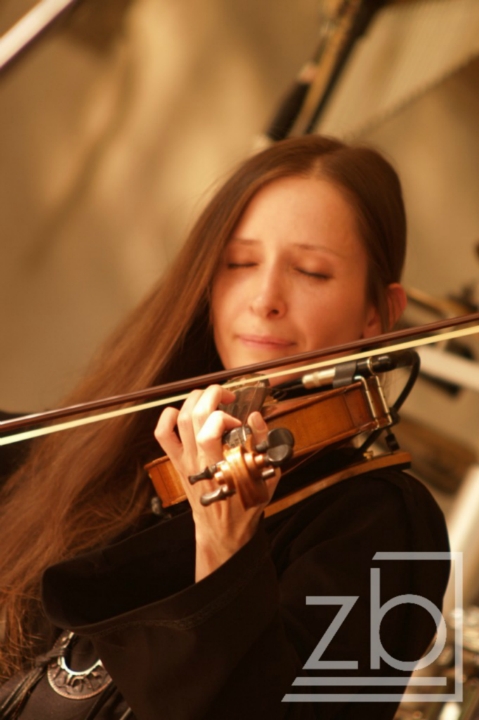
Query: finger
{"x": 210, "y": 436}
{"x": 208, "y": 402}
{"x": 186, "y": 430}
{"x": 258, "y": 427}
{"x": 165, "y": 432}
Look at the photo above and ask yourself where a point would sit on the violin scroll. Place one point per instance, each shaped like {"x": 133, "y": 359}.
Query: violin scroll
{"x": 245, "y": 467}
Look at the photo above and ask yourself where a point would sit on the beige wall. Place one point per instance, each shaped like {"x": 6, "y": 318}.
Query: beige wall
{"x": 412, "y": 90}
{"x": 106, "y": 155}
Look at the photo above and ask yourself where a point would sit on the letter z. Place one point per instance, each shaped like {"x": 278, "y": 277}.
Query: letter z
{"x": 314, "y": 662}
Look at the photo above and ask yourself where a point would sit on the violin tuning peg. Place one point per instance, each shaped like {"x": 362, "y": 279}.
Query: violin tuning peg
{"x": 278, "y": 447}
{"x": 269, "y": 473}
{"x": 280, "y": 436}
{"x": 262, "y": 446}
{"x": 205, "y": 474}
{"x": 276, "y": 437}
{"x": 220, "y": 494}
{"x": 278, "y": 454}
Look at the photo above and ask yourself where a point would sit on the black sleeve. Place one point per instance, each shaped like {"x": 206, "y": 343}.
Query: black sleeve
{"x": 233, "y": 644}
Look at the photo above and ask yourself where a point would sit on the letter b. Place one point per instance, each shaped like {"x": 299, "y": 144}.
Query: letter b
{"x": 378, "y": 612}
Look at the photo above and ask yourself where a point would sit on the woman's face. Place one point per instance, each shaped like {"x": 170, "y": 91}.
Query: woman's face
{"x": 293, "y": 276}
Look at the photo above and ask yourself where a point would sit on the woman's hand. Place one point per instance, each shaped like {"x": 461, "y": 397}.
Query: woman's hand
{"x": 192, "y": 439}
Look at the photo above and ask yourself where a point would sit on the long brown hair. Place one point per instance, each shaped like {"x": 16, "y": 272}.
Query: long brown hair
{"x": 81, "y": 489}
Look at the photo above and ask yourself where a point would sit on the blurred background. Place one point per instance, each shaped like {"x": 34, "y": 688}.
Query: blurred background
{"x": 113, "y": 128}
{"x": 116, "y": 124}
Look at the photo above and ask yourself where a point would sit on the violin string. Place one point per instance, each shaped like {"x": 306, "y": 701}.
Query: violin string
{"x": 38, "y": 432}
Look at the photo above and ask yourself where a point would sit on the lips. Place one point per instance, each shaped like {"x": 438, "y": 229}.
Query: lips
{"x": 265, "y": 341}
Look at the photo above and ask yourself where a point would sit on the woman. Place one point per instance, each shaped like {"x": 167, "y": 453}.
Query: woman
{"x": 204, "y": 614}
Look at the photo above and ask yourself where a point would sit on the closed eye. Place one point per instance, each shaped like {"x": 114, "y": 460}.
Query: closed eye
{"x": 234, "y": 265}
{"x": 318, "y": 275}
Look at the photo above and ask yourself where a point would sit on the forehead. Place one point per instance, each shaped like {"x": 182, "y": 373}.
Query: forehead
{"x": 300, "y": 210}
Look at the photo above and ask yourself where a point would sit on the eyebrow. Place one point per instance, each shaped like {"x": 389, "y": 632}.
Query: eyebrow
{"x": 301, "y": 246}
{"x": 316, "y": 248}
{"x": 244, "y": 241}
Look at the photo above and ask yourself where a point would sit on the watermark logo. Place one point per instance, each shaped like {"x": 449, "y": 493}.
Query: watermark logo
{"x": 377, "y": 651}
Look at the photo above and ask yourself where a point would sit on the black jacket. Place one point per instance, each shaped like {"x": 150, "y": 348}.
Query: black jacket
{"x": 232, "y": 645}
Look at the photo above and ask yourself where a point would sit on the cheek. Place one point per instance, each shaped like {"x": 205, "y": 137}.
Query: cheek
{"x": 336, "y": 317}
{"x": 222, "y": 306}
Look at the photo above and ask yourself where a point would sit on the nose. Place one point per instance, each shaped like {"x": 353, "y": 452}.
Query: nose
{"x": 268, "y": 297}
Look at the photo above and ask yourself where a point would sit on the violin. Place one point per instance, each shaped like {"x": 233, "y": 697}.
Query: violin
{"x": 348, "y": 400}
{"x": 339, "y": 400}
